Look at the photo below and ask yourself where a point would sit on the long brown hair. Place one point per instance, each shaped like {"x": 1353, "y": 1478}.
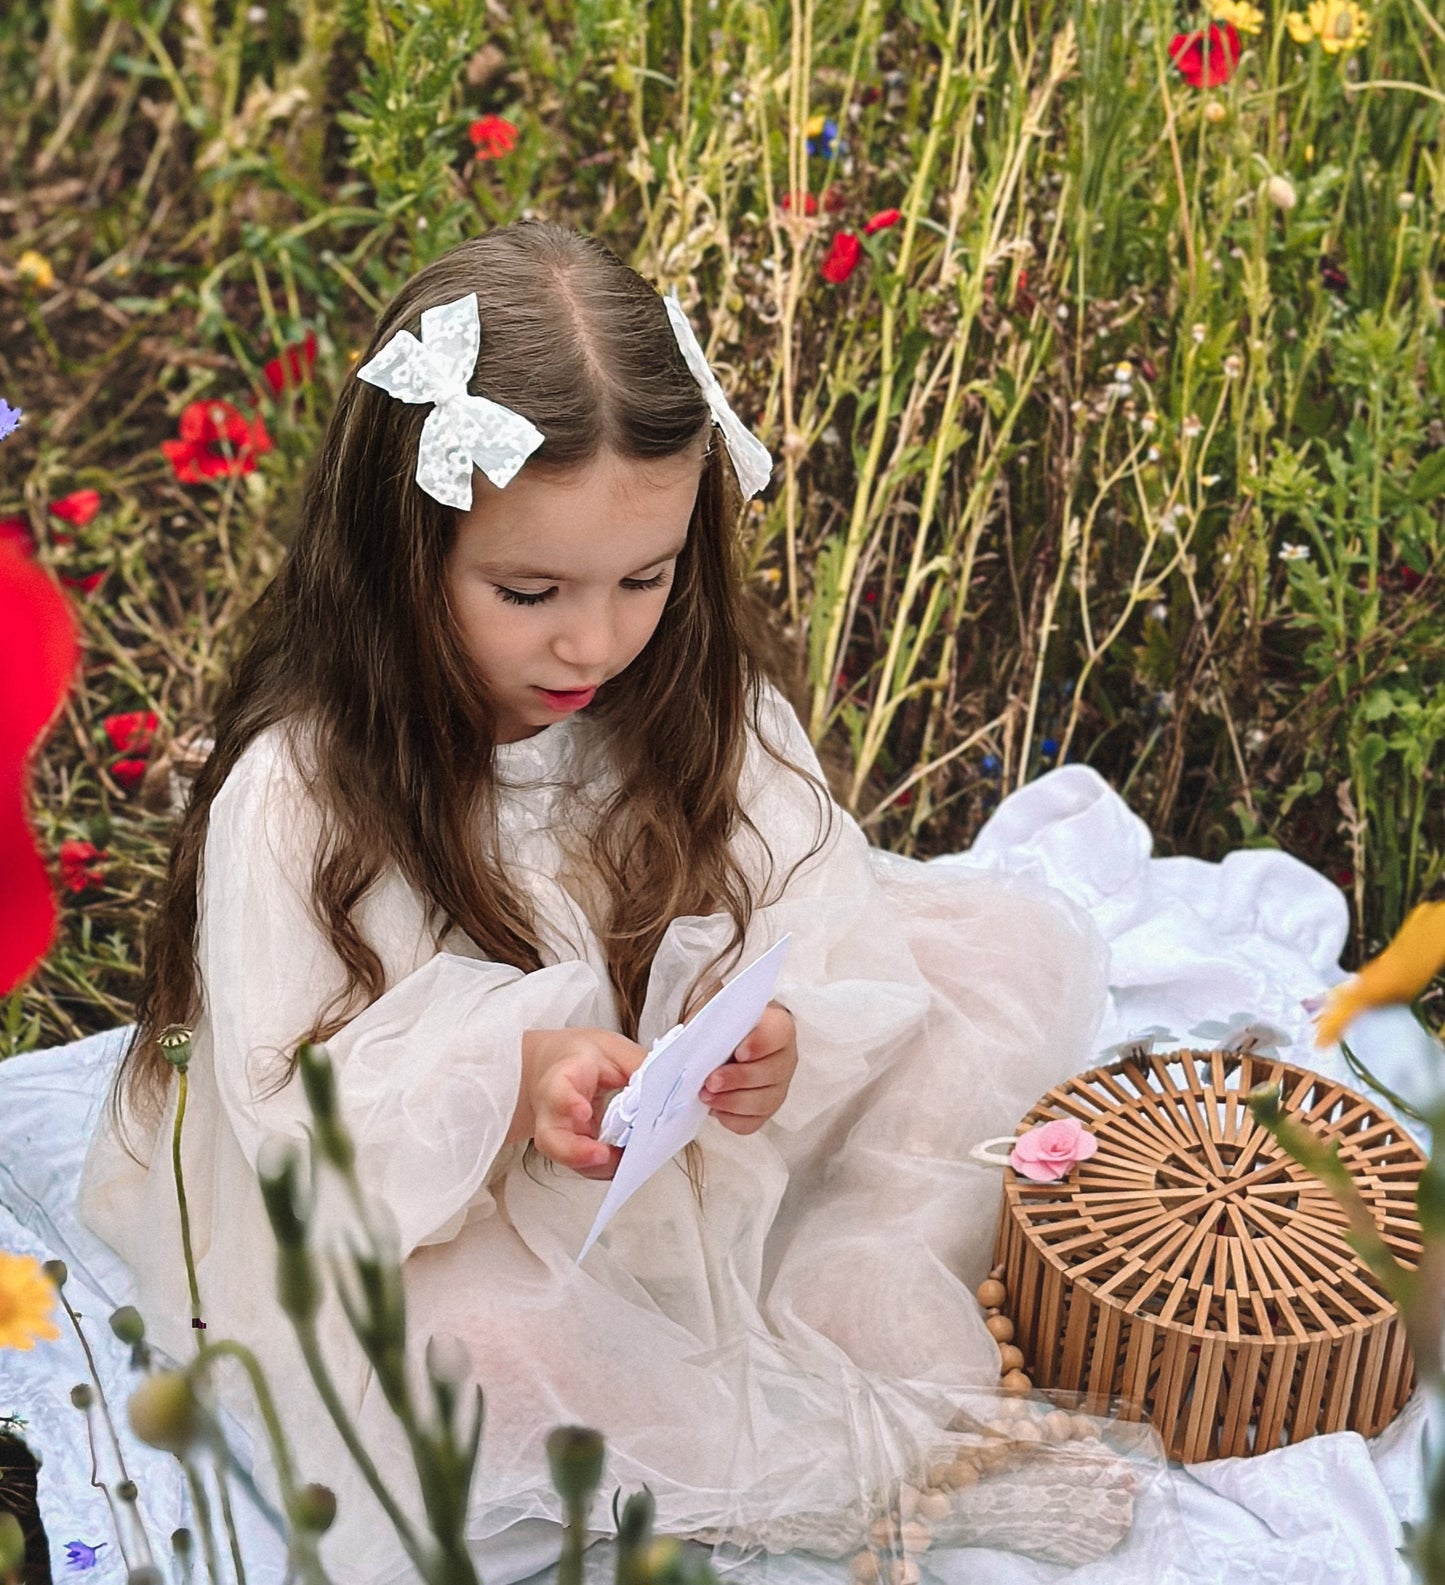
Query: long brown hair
{"x": 354, "y": 639}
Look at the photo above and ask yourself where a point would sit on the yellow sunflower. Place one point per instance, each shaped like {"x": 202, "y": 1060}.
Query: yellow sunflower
{"x": 1399, "y": 974}
{"x": 1244, "y": 17}
{"x": 27, "y": 1302}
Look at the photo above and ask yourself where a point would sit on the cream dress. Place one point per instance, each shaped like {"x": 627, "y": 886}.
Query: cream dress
{"x": 767, "y": 1358}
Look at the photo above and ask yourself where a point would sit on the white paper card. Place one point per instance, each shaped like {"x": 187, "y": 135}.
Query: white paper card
{"x": 663, "y": 1096}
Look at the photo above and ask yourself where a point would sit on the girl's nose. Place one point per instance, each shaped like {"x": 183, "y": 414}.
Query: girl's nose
{"x": 584, "y": 640}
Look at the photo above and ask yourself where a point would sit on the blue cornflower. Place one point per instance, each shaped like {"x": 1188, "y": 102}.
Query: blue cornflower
{"x": 991, "y": 765}
{"x": 1048, "y": 748}
{"x": 9, "y": 418}
{"x": 80, "y": 1557}
{"x": 822, "y": 134}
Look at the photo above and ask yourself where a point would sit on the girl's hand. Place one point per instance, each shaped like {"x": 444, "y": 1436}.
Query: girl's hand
{"x": 566, "y": 1076}
{"x": 745, "y": 1092}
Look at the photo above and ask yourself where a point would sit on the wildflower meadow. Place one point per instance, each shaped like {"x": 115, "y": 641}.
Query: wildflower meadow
{"x": 1098, "y": 346}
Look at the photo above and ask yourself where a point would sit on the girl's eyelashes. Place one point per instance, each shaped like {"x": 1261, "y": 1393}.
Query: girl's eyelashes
{"x": 525, "y": 597}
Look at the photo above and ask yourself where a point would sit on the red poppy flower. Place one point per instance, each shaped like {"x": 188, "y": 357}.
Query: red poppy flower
{"x": 834, "y": 201}
{"x": 292, "y": 366}
{"x": 882, "y": 220}
{"x": 80, "y": 866}
{"x": 492, "y": 137}
{"x": 86, "y": 585}
{"x": 810, "y": 204}
{"x": 1206, "y": 60}
{"x": 16, "y": 531}
{"x": 78, "y": 508}
{"x": 216, "y": 440}
{"x": 37, "y": 656}
{"x": 842, "y": 257}
{"x": 131, "y": 732}
{"x": 130, "y": 773}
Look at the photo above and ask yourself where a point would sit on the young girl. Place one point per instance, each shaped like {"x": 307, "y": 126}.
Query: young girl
{"x": 498, "y": 793}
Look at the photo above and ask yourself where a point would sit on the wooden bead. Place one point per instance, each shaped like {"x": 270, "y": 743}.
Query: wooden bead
{"x": 1000, "y": 1328}
{"x": 1084, "y": 1428}
{"x": 938, "y": 1472}
{"x": 1016, "y": 1382}
{"x": 1027, "y": 1431}
{"x": 917, "y": 1536}
{"x": 1010, "y": 1357}
{"x": 1058, "y": 1426}
{"x": 992, "y": 1293}
{"x": 903, "y": 1571}
{"x": 907, "y": 1500}
{"x": 883, "y": 1532}
{"x": 865, "y": 1568}
{"x": 963, "y": 1474}
{"x": 933, "y": 1505}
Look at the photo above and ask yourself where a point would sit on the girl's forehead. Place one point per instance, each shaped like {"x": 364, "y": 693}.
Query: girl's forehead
{"x": 590, "y": 519}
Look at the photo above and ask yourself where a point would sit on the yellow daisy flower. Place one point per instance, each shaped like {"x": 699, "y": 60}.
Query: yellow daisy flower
{"x": 1244, "y": 17}
{"x": 1399, "y": 974}
{"x": 35, "y": 268}
{"x": 1343, "y": 26}
{"x": 27, "y": 1302}
{"x": 1301, "y": 29}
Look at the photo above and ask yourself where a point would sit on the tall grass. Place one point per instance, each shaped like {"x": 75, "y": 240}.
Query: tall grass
{"x": 1121, "y": 446}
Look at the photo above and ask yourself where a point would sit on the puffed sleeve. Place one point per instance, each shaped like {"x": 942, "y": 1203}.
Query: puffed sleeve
{"x": 849, "y": 980}
{"x": 427, "y": 1075}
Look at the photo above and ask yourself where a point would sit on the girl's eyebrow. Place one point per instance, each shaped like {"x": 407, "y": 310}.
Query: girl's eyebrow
{"x": 529, "y": 574}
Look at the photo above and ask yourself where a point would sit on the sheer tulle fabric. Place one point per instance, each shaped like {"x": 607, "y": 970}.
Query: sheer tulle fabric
{"x": 777, "y": 1358}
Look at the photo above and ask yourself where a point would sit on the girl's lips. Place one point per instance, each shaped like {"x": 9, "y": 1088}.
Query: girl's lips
{"x": 572, "y": 699}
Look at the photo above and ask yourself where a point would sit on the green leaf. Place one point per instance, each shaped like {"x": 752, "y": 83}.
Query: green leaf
{"x": 1428, "y": 480}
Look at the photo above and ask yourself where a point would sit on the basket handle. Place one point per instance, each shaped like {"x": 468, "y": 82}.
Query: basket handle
{"x": 986, "y": 1153}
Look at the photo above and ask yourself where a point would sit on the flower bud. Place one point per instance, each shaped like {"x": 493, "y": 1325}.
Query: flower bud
{"x": 12, "y": 1545}
{"x": 127, "y": 1324}
{"x": 164, "y": 1412}
{"x": 1279, "y": 190}
{"x": 314, "y": 1508}
{"x": 182, "y": 1542}
{"x": 1264, "y": 1102}
{"x": 1214, "y": 111}
{"x": 146, "y": 1574}
{"x": 288, "y": 1206}
{"x": 82, "y": 1395}
{"x": 126, "y": 1491}
{"x": 448, "y": 1359}
{"x": 57, "y": 1271}
{"x": 574, "y": 1456}
{"x": 318, "y": 1079}
{"x": 175, "y": 1043}
{"x": 297, "y": 1290}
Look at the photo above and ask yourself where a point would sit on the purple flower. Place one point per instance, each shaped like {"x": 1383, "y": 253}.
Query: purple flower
{"x": 991, "y": 765}
{"x": 80, "y": 1557}
{"x": 9, "y": 418}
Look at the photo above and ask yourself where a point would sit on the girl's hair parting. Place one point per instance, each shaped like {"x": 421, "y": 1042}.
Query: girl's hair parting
{"x": 346, "y": 645}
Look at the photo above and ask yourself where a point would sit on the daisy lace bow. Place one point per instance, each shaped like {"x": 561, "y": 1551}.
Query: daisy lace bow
{"x": 462, "y": 431}
{"x": 752, "y": 461}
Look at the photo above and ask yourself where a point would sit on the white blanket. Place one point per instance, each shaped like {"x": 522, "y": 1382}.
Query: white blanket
{"x": 1202, "y": 954}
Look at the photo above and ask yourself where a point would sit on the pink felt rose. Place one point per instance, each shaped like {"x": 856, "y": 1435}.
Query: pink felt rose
{"x": 1052, "y": 1150}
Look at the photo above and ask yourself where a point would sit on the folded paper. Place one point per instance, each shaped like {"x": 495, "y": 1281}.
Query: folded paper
{"x": 661, "y": 1111}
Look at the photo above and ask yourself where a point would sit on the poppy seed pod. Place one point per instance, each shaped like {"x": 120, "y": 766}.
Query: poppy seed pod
{"x": 127, "y": 1324}
{"x": 1279, "y": 190}
{"x": 175, "y": 1043}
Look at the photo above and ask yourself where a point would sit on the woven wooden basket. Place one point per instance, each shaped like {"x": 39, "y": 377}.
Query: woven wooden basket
{"x": 1192, "y": 1270}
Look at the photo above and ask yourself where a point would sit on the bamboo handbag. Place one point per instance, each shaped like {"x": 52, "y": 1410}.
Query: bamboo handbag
{"x": 1194, "y": 1272}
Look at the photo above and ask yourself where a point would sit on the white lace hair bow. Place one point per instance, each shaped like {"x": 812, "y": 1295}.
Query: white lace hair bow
{"x": 752, "y": 461}
{"x": 462, "y": 431}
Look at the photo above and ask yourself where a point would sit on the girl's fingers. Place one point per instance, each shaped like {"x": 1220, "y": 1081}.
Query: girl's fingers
{"x": 761, "y": 1103}
{"x": 759, "y": 1074}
